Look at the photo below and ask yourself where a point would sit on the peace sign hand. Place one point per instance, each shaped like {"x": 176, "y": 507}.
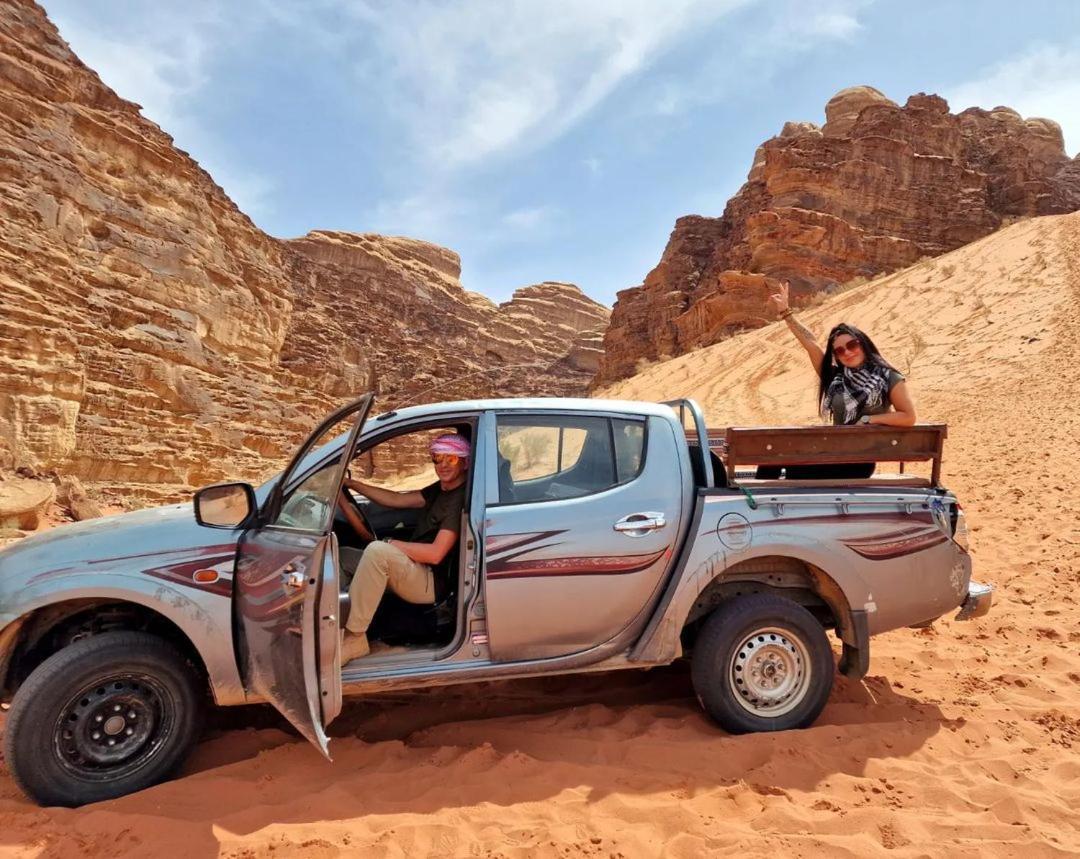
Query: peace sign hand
{"x": 778, "y": 301}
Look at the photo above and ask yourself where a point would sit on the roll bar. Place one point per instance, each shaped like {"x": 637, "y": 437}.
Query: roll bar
{"x": 682, "y": 406}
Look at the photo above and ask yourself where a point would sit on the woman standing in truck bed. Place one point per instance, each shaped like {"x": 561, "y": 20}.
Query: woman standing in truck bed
{"x": 856, "y": 385}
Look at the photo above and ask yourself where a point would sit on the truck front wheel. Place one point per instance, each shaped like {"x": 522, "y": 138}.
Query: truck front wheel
{"x": 762, "y": 663}
{"x": 103, "y": 717}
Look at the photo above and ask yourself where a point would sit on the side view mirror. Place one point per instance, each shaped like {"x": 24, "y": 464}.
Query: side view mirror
{"x": 224, "y": 505}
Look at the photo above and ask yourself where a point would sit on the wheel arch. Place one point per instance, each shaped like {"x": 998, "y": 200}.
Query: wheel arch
{"x": 47, "y": 627}
{"x": 784, "y": 575}
{"x": 836, "y": 591}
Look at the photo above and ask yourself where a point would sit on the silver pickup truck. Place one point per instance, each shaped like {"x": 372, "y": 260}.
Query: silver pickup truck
{"x": 596, "y": 535}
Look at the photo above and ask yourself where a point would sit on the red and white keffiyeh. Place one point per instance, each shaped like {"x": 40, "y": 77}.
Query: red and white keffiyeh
{"x": 451, "y": 443}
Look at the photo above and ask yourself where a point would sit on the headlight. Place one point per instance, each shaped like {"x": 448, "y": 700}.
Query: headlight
{"x": 960, "y": 529}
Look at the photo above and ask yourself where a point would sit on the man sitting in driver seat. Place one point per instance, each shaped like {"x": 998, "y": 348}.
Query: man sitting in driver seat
{"x": 414, "y": 569}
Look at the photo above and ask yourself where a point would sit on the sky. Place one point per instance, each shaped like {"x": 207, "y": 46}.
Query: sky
{"x": 540, "y": 139}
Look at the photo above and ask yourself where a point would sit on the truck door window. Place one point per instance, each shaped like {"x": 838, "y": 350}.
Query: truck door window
{"x": 309, "y": 506}
{"x": 629, "y": 448}
{"x": 545, "y": 458}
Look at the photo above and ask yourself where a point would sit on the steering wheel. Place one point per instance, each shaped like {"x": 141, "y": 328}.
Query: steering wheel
{"x": 370, "y": 535}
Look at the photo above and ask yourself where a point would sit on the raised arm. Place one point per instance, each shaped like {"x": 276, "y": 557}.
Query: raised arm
{"x": 779, "y": 301}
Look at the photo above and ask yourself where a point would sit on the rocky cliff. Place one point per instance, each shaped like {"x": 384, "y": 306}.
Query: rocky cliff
{"x": 874, "y": 189}
{"x": 152, "y": 338}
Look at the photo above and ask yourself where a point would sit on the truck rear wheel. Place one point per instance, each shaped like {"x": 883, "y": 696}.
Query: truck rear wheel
{"x": 105, "y": 716}
{"x": 762, "y": 663}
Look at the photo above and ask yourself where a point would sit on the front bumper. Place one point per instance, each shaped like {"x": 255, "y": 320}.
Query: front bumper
{"x": 978, "y": 601}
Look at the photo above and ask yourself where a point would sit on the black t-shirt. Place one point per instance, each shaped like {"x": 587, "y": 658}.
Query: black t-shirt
{"x": 442, "y": 511}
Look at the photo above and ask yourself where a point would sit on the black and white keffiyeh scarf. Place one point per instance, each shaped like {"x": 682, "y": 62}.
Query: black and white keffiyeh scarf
{"x": 860, "y": 389}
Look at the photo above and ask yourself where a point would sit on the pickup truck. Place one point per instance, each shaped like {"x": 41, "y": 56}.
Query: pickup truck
{"x": 596, "y": 535}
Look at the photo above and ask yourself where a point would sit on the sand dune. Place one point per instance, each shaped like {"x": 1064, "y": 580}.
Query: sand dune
{"x": 963, "y": 741}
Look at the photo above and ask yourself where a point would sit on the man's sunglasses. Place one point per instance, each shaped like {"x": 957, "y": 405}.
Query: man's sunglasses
{"x": 851, "y": 347}
{"x": 445, "y": 458}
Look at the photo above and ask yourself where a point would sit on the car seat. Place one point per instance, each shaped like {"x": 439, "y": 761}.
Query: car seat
{"x": 506, "y": 480}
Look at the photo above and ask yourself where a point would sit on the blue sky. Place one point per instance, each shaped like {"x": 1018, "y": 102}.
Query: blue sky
{"x": 546, "y": 140}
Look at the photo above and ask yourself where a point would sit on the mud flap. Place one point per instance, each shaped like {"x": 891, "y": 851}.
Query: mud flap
{"x": 855, "y": 658}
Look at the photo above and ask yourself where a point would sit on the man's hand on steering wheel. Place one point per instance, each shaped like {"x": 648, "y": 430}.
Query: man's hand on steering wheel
{"x": 355, "y": 516}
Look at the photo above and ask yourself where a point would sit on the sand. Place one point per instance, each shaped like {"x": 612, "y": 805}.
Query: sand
{"x": 964, "y": 740}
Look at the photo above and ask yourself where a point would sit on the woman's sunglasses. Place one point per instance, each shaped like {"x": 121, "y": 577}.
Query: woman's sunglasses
{"x": 851, "y": 347}
{"x": 445, "y": 458}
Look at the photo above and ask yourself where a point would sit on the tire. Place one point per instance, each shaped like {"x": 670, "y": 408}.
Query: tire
{"x": 103, "y": 717}
{"x": 792, "y": 661}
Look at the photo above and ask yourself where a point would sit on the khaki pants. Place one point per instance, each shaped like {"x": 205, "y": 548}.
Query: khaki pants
{"x": 382, "y": 565}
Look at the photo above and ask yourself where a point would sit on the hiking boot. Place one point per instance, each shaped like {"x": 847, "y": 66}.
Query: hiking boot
{"x": 353, "y": 646}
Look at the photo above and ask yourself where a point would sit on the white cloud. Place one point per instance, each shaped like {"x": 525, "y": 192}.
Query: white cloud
{"x": 671, "y": 98}
{"x": 439, "y": 215}
{"x": 470, "y": 80}
{"x": 431, "y": 215}
{"x": 469, "y": 85}
{"x": 529, "y": 218}
{"x": 252, "y": 192}
{"x": 1042, "y": 81}
{"x": 833, "y": 24}
{"x": 788, "y": 30}
{"x": 157, "y": 58}
{"x": 805, "y": 24}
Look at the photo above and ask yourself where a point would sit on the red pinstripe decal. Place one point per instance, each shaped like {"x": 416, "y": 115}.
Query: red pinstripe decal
{"x": 896, "y": 545}
{"x": 504, "y": 542}
{"x": 580, "y": 566}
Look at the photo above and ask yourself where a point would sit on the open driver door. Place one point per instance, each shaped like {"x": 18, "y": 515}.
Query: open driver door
{"x": 286, "y": 599}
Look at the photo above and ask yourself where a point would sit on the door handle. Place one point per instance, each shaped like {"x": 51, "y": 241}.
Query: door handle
{"x": 640, "y": 524}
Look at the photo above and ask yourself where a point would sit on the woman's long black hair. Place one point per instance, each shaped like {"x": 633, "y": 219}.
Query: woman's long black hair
{"x": 830, "y": 366}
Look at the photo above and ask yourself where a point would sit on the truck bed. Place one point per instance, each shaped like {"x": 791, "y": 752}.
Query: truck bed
{"x": 734, "y": 448}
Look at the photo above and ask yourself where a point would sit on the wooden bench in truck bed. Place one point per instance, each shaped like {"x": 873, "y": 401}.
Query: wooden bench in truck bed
{"x": 826, "y": 445}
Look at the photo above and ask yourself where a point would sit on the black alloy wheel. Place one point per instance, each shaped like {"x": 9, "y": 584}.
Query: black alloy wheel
{"x": 105, "y": 716}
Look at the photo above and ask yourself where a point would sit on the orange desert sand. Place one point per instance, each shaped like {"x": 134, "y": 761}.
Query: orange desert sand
{"x": 964, "y": 740}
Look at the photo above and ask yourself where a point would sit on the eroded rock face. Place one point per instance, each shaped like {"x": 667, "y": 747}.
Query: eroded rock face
{"x": 152, "y": 338}
{"x": 875, "y": 189}
{"x": 389, "y": 314}
{"x": 24, "y": 503}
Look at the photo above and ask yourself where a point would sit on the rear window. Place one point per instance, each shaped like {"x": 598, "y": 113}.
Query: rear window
{"x": 629, "y": 448}
{"x": 551, "y": 457}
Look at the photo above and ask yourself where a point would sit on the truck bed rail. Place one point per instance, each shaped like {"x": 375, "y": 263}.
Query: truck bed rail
{"x": 825, "y": 445}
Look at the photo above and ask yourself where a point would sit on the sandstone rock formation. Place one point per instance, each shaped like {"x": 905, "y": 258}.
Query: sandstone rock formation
{"x": 72, "y": 496}
{"x": 391, "y": 314}
{"x": 152, "y": 338}
{"x": 875, "y": 189}
{"x": 24, "y": 503}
